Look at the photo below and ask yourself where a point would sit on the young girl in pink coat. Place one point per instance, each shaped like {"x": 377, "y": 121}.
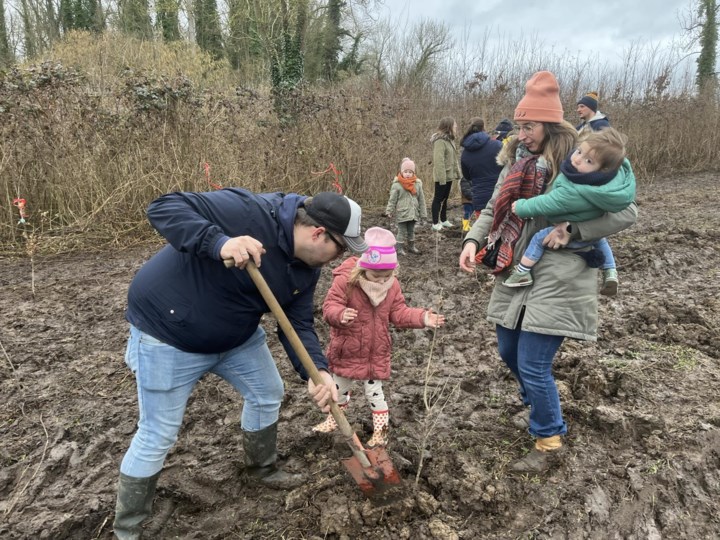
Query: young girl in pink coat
{"x": 363, "y": 300}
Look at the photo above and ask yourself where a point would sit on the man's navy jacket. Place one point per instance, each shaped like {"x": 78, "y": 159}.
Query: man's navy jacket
{"x": 185, "y": 297}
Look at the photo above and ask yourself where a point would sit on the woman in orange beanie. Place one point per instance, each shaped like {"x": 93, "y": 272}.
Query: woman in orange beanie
{"x": 532, "y": 322}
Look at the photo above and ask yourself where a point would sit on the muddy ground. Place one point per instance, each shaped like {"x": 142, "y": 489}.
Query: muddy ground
{"x": 641, "y": 404}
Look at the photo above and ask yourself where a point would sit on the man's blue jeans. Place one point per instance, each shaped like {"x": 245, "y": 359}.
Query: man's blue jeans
{"x": 530, "y": 356}
{"x": 165, "y": 378}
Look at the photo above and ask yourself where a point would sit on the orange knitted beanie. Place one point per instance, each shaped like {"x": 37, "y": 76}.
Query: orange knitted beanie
{"x": 541, "y": 102}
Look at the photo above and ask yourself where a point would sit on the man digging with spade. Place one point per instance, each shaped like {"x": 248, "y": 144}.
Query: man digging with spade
{"x": 190, "y": 316}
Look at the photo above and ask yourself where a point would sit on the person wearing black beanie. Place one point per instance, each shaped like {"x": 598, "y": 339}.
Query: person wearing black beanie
{"x": 592, "y": 119}
{"x": 502, "y": 130}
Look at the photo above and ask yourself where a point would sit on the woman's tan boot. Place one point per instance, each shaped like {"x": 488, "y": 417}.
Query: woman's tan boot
{"x": 541, "y": 458}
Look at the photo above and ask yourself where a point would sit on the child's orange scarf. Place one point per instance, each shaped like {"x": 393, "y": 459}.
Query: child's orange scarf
{"x": 407, "y": 183}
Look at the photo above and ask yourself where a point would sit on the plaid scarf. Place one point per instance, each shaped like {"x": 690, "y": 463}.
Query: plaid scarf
{"x": 526, "y": 179}
{"x": 407, "y": 183}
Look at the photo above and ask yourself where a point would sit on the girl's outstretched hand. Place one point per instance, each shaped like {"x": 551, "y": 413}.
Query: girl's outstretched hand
{"x": 434, "y": 320}
{"x": 348, "y": 316}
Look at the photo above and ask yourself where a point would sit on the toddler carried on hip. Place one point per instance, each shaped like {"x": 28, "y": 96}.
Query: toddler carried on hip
{"x": 596, "y": 178}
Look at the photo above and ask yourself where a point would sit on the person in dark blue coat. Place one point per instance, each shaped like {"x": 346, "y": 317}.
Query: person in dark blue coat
{"x": 478, "y": 162}
{"x": 189, "y": 316}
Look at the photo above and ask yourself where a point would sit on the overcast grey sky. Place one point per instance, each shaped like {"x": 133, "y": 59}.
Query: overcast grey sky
{"x": 602, "y": 27}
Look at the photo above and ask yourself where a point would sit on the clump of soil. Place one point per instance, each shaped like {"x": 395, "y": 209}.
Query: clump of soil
{"x": 643, "y": 449}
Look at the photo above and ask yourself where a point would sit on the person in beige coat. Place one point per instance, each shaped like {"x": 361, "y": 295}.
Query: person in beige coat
{"x": 532, "y": 322}
{"x": 446, "y": 170}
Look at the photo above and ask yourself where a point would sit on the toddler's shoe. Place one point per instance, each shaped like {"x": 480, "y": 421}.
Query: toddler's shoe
{"x": 610, "y": 282}
{"x": 518, "y": 279}
{"x": 437, "y": 227}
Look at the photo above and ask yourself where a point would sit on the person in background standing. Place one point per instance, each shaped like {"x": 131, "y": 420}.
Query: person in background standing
{"x": 479, "y": 165}
{"x": 592, "y": 119}
{"x": 502, "y": 130}
{"x": 446, "y": 170}
{"x": 407, "y": 204}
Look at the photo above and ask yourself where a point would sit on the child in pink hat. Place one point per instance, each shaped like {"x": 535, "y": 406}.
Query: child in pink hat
{"x": 407, "y": 204}
{"x": 363, "y": 300}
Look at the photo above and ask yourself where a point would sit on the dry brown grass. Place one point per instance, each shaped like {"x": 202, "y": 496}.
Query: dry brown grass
{"x": 89, "y": 143}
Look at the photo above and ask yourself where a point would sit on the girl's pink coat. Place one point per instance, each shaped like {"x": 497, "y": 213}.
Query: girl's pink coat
{"x": 362, "y": 349}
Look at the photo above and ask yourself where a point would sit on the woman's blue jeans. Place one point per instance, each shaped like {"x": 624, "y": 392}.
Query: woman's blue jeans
{"x": 165, "y": 378}
{"x": 530, "y": 356}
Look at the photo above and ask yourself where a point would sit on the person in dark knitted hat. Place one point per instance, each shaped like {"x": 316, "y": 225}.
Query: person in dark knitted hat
{"x": 502, "y": 130}
{"x": 592, "y": 119}
{"x": 590, "y": 100}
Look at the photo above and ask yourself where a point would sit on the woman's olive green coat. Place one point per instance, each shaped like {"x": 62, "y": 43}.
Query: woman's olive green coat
{"x": 446, "y": 161}
{"x": 563, "y": 299}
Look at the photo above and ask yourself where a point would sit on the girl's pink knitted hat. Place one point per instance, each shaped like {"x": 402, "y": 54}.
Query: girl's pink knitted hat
{"x": 380, "y": 254}
{"x": 407, "y": 164}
